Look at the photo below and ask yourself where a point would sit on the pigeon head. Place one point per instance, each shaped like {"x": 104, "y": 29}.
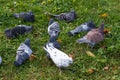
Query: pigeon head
{"x": 16, "y": 15}
{"x": 27, "y": 42}
{"x": 20, "y": 59}
{"x": 16, "y": 63}
{"x": 30, "y": 12}
{"x": 29, "y": 17}
{"x": 50, "y": 22}
{"x": 73, "y": 11}
{"x": 91, "y": 24}
{"x": 8, "y": 33}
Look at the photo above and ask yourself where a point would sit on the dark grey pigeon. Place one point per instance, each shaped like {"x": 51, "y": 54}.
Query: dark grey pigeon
{"x": 53, "y": 28}
{"x": 18, "y": 30}
{"x": 87, "y": 26}
{"x": 54, "y": 43}
{"x": 26, "y": 16}
{"x": 94, "y": 36}
{"x": 68, "y": 16}
{"x": 23, "y": 53}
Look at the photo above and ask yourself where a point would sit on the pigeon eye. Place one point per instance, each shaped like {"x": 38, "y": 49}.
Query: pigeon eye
{"x": 56, "y": 31}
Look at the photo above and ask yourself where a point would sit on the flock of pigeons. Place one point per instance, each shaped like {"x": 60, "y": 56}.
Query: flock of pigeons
{"x": 52, "y": 47}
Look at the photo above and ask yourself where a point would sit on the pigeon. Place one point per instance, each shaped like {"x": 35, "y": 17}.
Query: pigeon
{"x": 87, "y": 26}
{"x": 94, "y": 36}
{"x": 23, "y": 53}
{"x": 0, "y": 60}
{"x": 26, "y": 16}
{"x": 67, "y": 16}
{"x": 53, "y": 28}
{"x": 60, "y": 59}
{"x": 54, "y": 43}
{"x": 18, "y": 30}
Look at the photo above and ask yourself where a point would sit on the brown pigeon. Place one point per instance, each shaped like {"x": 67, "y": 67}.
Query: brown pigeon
{"x": 94, "y": 36}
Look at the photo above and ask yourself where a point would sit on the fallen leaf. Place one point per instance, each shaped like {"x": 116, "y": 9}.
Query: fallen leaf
{"x": 90, "y": 54}
{"x": 48, "y": 18}
{"x": 59, "y": 41}
{"x": 104, "y": 15}
{"x": 106, "y": 68}
{"x": 32, "y": 57}
{"x": 71, "y": 55}
{"x": 43, "y": 3}
{"x": 90, "y": 71}
{"x": 106, "y": 31}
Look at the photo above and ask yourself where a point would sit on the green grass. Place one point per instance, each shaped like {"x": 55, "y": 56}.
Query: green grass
{"x": 44, "y": 69}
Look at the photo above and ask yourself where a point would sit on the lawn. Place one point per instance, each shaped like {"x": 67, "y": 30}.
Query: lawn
{"x": 106, "y": 64}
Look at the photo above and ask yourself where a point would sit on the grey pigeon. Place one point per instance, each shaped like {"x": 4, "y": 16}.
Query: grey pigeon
{"x": 87, "y": 26}
{"x": 68, "y": 16}
{"x": 23, "y": 53}
{"x": 26, "y": 16}
{"x": 18, "y": 30}
{"x": 94, "y": 36}
{"x": 53, "y": 28}
{"x": 0, "y": 60}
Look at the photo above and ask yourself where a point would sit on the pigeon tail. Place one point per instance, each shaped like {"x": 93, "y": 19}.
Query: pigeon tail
{"x": 51, "y": 15}
{"x": 101, "y": 28}
{"x": 75, "y": 31}
{"x": 27, "y": 42}
{"x": 83, "y": 40}
{"x": 78, "y": 29}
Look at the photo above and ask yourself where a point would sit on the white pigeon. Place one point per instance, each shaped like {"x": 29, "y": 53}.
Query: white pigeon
{"x": 58, "y": 57}
{"x": 0, "y": 59}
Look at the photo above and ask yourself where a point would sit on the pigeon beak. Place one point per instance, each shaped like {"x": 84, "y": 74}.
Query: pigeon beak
{"x": 16, "y": 15}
